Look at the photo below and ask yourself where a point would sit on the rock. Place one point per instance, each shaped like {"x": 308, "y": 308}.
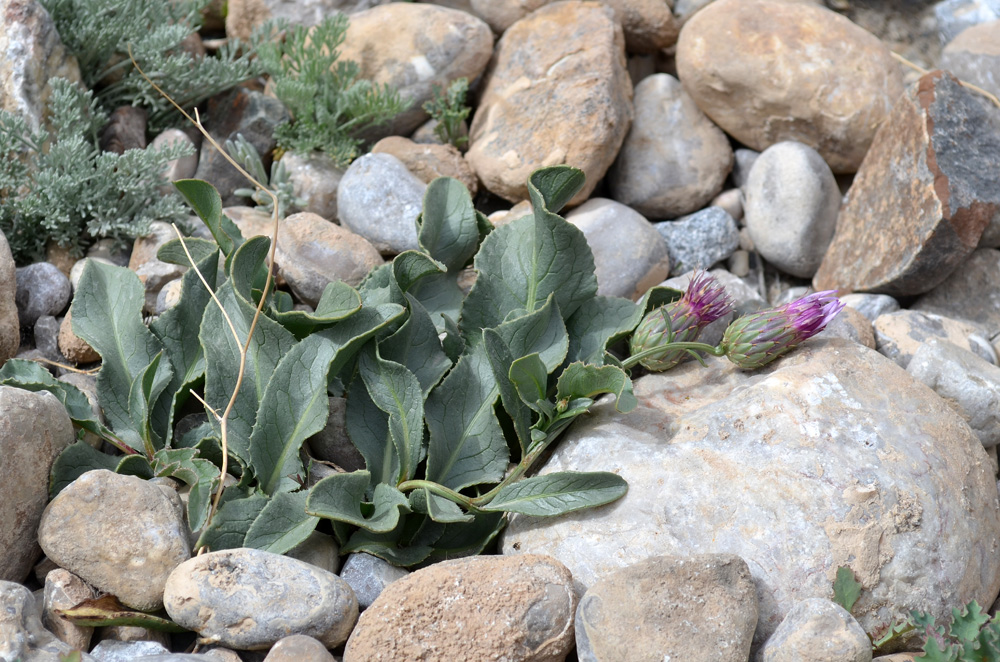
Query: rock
{"x": 248, "y": 599}
{"x": 379, "y": 199}
{"x": 10, "y": 334}
{"x": 974, "y": 56}
{"x": 129, "y": 633}
{"x": 32, "y": 56}
{"x": 425, "y": 134}
{"x": 153, "y": 273}
{"x": 932, "y": 191}
{"x": 430, "y": 46}
{"x": 520, "y": 609}
{"x": 320, "y": 550}
{"x": 853, "y": 326}
{"x": 73, "y": 347}
{"x": 969, "y": 384}
{"x": 831, "y": 455}
{"x": 182, "y": 168}
{"x": 743, "y": 160}
{"x": 64, "y": 590}
{"x": 41, "y": 290}
{"x": 251, "y": 221}
{"x": 168, "y": 296}
{"x": 298, "y": 648}
{"x": 34, "y": 429}
{"x": 731, "y": 201}
{"x": 566, "y": 62}
{"x": 22, "y": 636}
{"x": 314, "y": 178}
{"x": 428, "y": 162}
{"x": 971, "y": 292}
{"x": 694, "y": 608}
{"x": 791, "y": 207}
{"x": 871, "y": 305}
{"x": 46, "y": 332}
{"x": 118, "y": 533}
{"x": 673, "y": 160}
{"x": 699, "y": 240}
{"x": 332, "y": 443}
{"x": 107, "y": 249}
{"x": 111, "y": 650}
{"x": 820, "y": 631}
{"x": 956, "y": 16}
{"x": 899, "y": 335}
{"x": 817, "y": 78}
{"x": 629, "y": 254}
{"x": 125, "y": 130}
{"x": 369, "y": 575}
{"x": 60, "y": 256}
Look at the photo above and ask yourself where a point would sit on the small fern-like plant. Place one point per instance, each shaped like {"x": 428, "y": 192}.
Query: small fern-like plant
{"x": 447, "y": 107}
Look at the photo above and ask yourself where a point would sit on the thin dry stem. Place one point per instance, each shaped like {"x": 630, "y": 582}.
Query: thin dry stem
{"x": 88, "y": 371}
{"x": 975, "y": 88}
{"x": 202, "y": 401}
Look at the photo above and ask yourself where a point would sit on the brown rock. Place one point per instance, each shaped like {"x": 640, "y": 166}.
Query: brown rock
{"x": 923, "y": 196}
{"x": 428, "y": 161}
{"x": 64, "y": 590}
{"x": 72, "y": 346}
{"x": 125, "y": 130}
{"x": 767, "y": 71}
{"x": 298, "y": 648}
{"x": 243, "y": 17}
{"x": 519, "y": 609}
{"x": 60, "y": 256}
{"x": 558, "y": 92}
{"x": 153, "y": 273}
{"x": 10, "y": 334}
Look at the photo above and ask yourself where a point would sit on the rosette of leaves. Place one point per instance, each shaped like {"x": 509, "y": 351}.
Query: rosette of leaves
{"x": 452, "y": 399}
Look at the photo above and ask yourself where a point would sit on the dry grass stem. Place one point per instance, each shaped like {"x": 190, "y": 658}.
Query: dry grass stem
{"x": 975, "y": 88}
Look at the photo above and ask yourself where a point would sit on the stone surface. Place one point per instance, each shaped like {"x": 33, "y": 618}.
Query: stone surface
{"x": 153, "y": 273}
{"x": 428, "y": 161}
{"x": 694, "y": 608}
{"x": 23, "y": 638}
{"x": 332, "y": 443}
{"x": 46, "y": 333}
{"x": 111, "y": 650}
{"x": 673, "y": 160}
{"x": 320, "y": 550}
{"x": 832, "y": 455}
{"x": 168, "y": 296}
{"x": 314, "y": 178}
{"x": 629, "y": 254}
{"x": 790, "y": 207}
{"x": 298, "y": 648}
{"x": 34, "y": 429}
{"x": 248, "y": 599}
{"x": 430, "y": 46}
{"x": 871, "y": 305}
{"x": 816, "y": 78}
{"x": 41, "y": 290}
{"x": 933, "y": 192}
{"x": 899, "y": 335}
{"x": 974, "y": 56}
{"x": 820, "y": 631}
{"x": 119, "y": 533}
{"x": 125, "y": 130}
{"x": 64, "y": 590}
{"x": 379, "y": 199}
{"x": 731, "y": 200}
{"x": 73, "y": 347}
{"x": 956, "y": 16}
{"x": 520, "y": 609}
{"x": 971, "y": 292}
{"x": 10, "y": 334}
{"x": 184, "y": 167}
{"x": 566, "y": 62}
{"x": 699, "y": 240}
{"x": 853, "y": 326}
{"x": 369, "y": 575}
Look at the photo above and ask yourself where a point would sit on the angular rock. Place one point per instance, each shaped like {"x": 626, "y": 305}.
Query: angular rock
{"x": 248, "y": 599}
{"x": 899, "y": 335}
{"x": 368, "y": 576}
{"x": 971, "y": 292}
{"x": 700, "y": 608}
{"x": 34, "y": 429}
{"x": 932, "y": 191}
{"x": 22, "y": 636}
{"x": 673, "y": 160}
{"x": 430, "y": 46}
{"x": 314, "y": 178}
{"x": 10, "y": 334}
{"x": 46, "y": 334}
{"x": 565, "y": 62}
{"x": 699, "y": 240}
{"x": 298, "y": 648}
{"x": 41, "y": 290}
{"x": 816, "y": 78}
{"x": 790, "y": 207}
{"x": 629, "y": 254}
{"x": 119, "y": 533}
{"x": 519, "y": 608}
{"x": 64, "y": 590}
{"x": 153, "y": 273}
{"x": 379, "y": 199}
{"x": 831, "y": 455}
{"x": 428, "y": 162}
{"x": 820, "y": 631}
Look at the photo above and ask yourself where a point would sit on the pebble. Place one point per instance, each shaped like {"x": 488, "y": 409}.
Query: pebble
{"x": 871, "y": 305}
{"x": 899, "y": 335}
{"x": 22, "y": 635}
{"x": 46, "y": 334}
{"x": 670, "y": 608}
{"x": 64, "y": 590}
{"x": 820, "y": 631}
{"x": 743, "y": 160}
{"x": 971, "y": 292}
{"x": 127, "y": 633}
{"x": 320, "y": 550}
{"x": 107, "y": 249}
{"x": 428, "y": 162}
{"x": 298, "y": 648}
{"x": 168, "y": 296}
{"x": 731, "y": 200}
{"x": 110, "y": 650}
{"x": 73, "y": 347}
{"x": 368, "y": 576}
{"x": 182, "y": 168}
{"x": 121, "y": 534}
{"x": 520, "y": 609}
{"x": 41, "y": 290}
{"x": 674, "y": 159}
{"x": 379, "y": 199}
{"x": 314, "y": 178}
{"x": 10, "y": 334}
{"x": 153, "y": 273}
{"x": 699, "y": 240}
{"x": 566, "y": 62}
{"x": 629, "y": 254}
{"x": 76, "y": 271}
{"x": 332, "y": 444}
{"x": 248, "y": 599}
{"x": 790, "y": 207}
{"x": 851, "y": 325}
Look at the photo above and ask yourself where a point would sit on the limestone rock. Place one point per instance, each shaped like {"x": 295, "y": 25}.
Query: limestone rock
{"x": 767, "y": 71}
{"x": 699, "y": 240}
{"x": 930, "y": 178}
{"x": 369, "y": 575}
{"x": 72, "y": 346}
{"x": 298, "y": 648}
{"x": 22, "y": 635}
{"x": 379, "y": 199}
{"x": 429, "y": 161}
{"x": 971, "y": 292}
{"x": 64, "y": 590}
{"x": 565, "y": 62}
{"x": 899, "y": 335}
{"x": 10, "y": 334}
{"x": 820, "y": 631}
{"x": 314, "y": 178}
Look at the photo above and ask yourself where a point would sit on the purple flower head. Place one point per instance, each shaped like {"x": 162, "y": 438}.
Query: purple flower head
{"x": 755, "y": 340}
{"x": 703, "y": 302}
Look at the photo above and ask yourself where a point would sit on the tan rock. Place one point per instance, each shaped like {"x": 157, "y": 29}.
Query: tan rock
{"x": 767, "y": 71}
{"x": 558, "y": 92}
{"x": 72, "y": 346}
{"x": 60, "y": 256}
{"x": 314, "y": 178}
{"x": 298, "y": 648}
{"x": 10, "y": 327}
{"x": 153, "y": 273}
{"x": 898, "y": 335}
{"x": 64, "y": 590}
{"x": 429, "y": 161}
{"x": 244, "y": 16}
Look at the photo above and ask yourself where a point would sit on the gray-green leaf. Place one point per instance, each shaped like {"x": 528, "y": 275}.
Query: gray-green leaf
{"x": 581, "y": 380}
{"x": 558, "y": 493}
{"x": 341, "y": 497}
{"x": 396, "y": 391}
{"x": 282, "y": 524}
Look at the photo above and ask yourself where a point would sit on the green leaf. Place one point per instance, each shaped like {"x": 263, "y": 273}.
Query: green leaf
{"x": 135, "y": 465}
{"x": 409, "y": 267}
{"x": 207, "y": 203}
{"x": 248, "y": 268}
{"x": 108, "y": 611}
{"x": 542, "y": 332}
{"x": 396, "y": 391}
{"x": 658, "y": 296}
{"x": 387, "y": 547}
{"x": 282, "y": 524}
{"x": 231, "y": 523}
{"x": 368, "y": 428}
{"x": 341, "y": 497}
{"x": 447, "y": 229}
{"x": 355, "y": 331}
{"x": 501, "y": 360}
{"x": 581, "y": 380}
{"x": 172, "y": 252}
{"x": 201, "y": 474}
{"x": 558, "y": 493}
{"x": 76, "y": 460}
{"x": 441, "y": 295}
{"x": 452, "y": 343}
{"x": 528, "y": 376}
{"x": 145, "y": 390}
{"x": 846, "y": 589}
{"x": 552, "y": 187}
{"x": 380, "y": 287}
{"x": 437, "y": 507}
{"x": 416, "y": 346}
{"x": 338, "y": 302}
{"x": 468, "y": 538}
{"x": 598, "y": 323}
{"x": 967, "y": 621}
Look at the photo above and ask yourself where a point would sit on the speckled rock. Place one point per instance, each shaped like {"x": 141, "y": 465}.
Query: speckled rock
{"x": 971, "y": 292}
{"x": 41, "y": 290}
{"x": 121, "y": 534}
{"x": 898, "y": 335}
{"x": 853, "y": 326}
{"x": 693, "y": 608}
{"x": 22, "y": 635}
{"x": 974, "y": 56}
{"x": 820, "y": 631}
{"x": 314, "y": 178}
{"x": 520, "y": 609}
{"x": 629, "y": 254}
{"x": 933, "y": 192}
{"x": 368, "y": 576}
{"x": 379, "y": 199}
{"x": 566, "y": 62}
{"x": 111, "y": 650}
{"x": 34, "y": 429}
{"x": 428, "y": 162}
{"x": 298, "y": 648}
{"x": 832, "y": 455}
{"x": 248, "y": 599}
{"x": 673, "y": 160}
{"x": 10, "y": 334}
{"x": 871, "y": 305}
{"x": 699, "y": 240}
{"x": 817, "y": 78}
{"x": 153, "y": 273}
{"x": 64, "y": 590}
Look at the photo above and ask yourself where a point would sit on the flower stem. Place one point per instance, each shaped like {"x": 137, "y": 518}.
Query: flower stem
{"x": 439, "y": 489}
{"x": 656, "y": 351}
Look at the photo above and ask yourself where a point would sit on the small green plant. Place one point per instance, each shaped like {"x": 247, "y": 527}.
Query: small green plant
{"x": 447, "y": 107}
{"x": 63, "y": 188}
{"x": 278, "y": 183}
{"x": 328, "y": 102}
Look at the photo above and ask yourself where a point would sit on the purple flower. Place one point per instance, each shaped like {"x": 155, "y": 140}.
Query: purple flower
{"x": 755, "y": 340}
{"x": 703, "y": 302}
